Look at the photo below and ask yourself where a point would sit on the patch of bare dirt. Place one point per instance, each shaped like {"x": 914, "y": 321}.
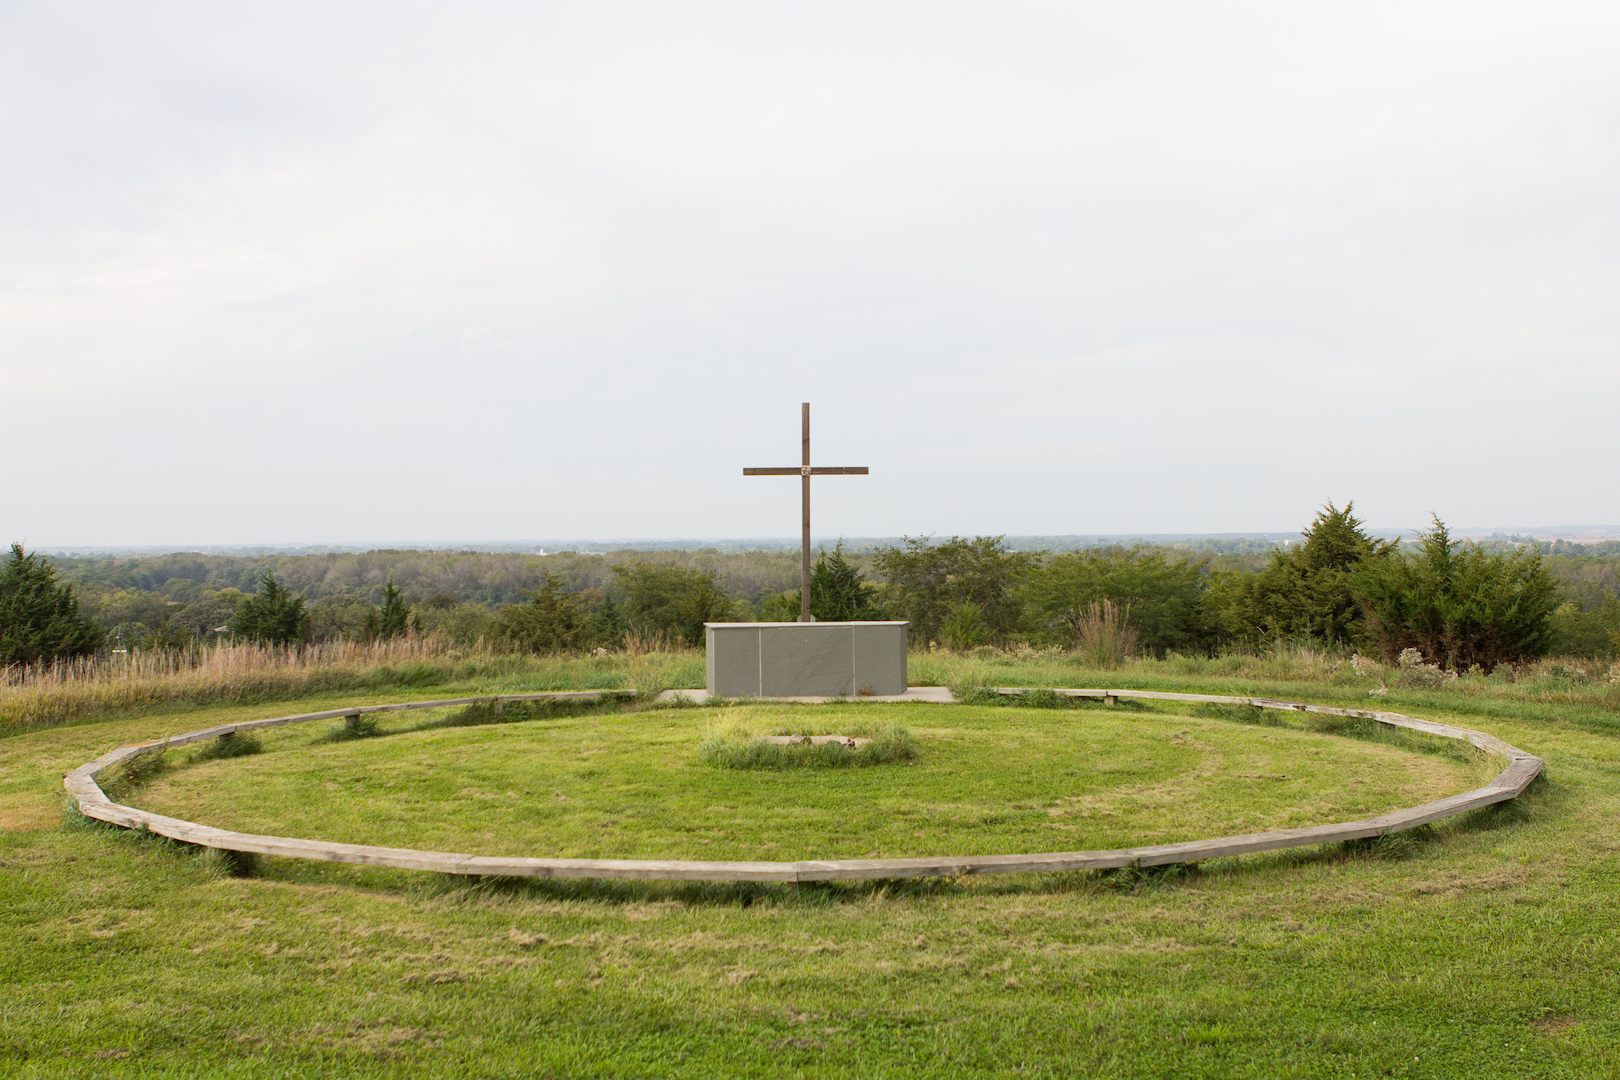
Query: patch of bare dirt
{"x": 29, "y": 817}
{"x": 1457, "y": 884}
{"x": 1555, "y": 1025}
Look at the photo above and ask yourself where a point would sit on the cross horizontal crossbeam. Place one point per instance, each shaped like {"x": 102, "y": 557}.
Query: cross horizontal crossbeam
{"x": 806, "y": 470}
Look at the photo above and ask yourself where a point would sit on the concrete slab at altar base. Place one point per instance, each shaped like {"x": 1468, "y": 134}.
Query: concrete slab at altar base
{"x": 933, "y": 695}
{"x": 843, "y": 659}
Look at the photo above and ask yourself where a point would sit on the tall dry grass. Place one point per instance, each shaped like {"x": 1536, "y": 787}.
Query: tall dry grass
{"x": 51, "y": 693}
{"x": 1280, "y": 669}
{"x": 1104, "y": 637}
{"x": 644, "y": 642}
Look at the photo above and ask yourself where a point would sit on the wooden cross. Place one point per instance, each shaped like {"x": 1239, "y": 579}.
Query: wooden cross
{"x": 806, "y": 472}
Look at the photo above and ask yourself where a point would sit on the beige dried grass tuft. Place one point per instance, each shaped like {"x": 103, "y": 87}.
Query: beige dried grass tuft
{"x": 1104, "y": 635}
{"x": 62, "y": 690}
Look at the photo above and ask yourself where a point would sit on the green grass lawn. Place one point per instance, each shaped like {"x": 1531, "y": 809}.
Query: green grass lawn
{"x": 632, "y": 785}
{"x": 1488, "y": 948}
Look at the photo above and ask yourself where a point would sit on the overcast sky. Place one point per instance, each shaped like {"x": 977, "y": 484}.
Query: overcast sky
{"x": 346, "y": 272}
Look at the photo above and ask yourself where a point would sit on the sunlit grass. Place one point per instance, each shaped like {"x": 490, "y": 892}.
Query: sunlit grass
{"x": 1482, "y": 948}
{"x": 642, "y": 784}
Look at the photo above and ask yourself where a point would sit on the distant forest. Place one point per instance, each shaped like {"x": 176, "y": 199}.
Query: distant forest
{"x": 464, "y": 593}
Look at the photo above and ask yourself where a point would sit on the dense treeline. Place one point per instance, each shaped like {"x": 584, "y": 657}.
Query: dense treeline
{"x": 196, "y": 597}
{"x": 1456, "y": 604}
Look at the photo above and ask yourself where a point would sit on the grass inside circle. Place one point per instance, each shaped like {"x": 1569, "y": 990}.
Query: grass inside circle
{"x": 637, "y": 785}
{"x": 879, "y": 744}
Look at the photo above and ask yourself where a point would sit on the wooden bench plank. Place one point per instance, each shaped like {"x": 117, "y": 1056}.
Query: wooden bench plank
{"x": 1165, "y": 695}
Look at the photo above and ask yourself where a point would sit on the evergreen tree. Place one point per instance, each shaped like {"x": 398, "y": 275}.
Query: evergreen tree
{"x": 703, "y": 601}
{"x": 552, "y": 621}
{"x": 170, "y": 638}
{"x": 272, "y": 616}
{"x": 39, "y": 618}
{"x": 1459, "y": 606}
{"x": 837, "y": 592}
{"x": 392, "y": 620}
{"x": 608, "y": 624}
{"x": 1307, "y": 590}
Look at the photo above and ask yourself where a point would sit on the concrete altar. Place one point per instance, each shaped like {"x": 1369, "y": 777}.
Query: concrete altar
{"x": 797, "y": 659}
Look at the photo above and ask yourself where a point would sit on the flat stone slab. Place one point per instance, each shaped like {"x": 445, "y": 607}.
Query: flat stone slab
{"x": 849, "y": 741}
{"x": 937, "y": 695}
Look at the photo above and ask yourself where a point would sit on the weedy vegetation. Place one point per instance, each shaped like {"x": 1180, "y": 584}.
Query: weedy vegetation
{"x": 364, "y": 726}
{"x": 737, "y": 749}
{"x": 232, "y": 744}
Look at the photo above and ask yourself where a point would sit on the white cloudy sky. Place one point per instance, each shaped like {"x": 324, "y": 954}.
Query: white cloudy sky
{"x": 360, "y": 272}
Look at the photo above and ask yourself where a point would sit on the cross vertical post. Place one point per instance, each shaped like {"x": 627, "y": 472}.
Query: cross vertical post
{"x": 805, "y": 471}
{"x": 804, "y": 576}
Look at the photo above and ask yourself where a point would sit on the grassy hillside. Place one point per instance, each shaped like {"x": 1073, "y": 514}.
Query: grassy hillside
{"x": 1486, "y": 947}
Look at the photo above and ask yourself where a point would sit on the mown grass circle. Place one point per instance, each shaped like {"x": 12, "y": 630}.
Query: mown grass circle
{"x": 625, "y": 795}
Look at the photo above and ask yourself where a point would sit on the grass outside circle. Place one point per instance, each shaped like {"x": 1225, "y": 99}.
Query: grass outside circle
{"x": 632, "y": 785}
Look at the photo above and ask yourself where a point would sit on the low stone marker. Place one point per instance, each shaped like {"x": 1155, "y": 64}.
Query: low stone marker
{"x": 843, "y": 659}
{"x": 848, "y": 742}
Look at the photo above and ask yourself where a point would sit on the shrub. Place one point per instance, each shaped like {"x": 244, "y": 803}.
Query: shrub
{"x": 1308, "y": 590}
{"x": 1165, "y": 599}
{"x": 964, "y": 627}
{"x": 462, "y": 623}
{"x": 272, "y": 616}
{"x": 781, "y": 607}
{"x": 608, "y": 622}
{"x": 40, "y": 619}
{"x": 1414, "y": 672}
{"x": 927, "y": 581}
{"x": 232, "y": 744}
{"x": 837, "y": 592}
{"x": 364, "y": 726}
{"x": 1591, "y": 632}
{"x": 1457, "y": 605}
{"x": 552, "y": 621}
{"x": 671, "y": 600}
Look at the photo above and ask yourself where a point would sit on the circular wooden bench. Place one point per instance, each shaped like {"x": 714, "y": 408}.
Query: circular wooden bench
{"x": 1519, "y": 769}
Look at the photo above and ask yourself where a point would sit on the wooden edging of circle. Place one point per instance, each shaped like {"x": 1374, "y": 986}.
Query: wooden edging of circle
{"x": 1520, "y": 769}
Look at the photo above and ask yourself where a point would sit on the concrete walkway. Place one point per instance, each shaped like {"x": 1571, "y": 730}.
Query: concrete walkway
{"x": 938, "y": 695}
